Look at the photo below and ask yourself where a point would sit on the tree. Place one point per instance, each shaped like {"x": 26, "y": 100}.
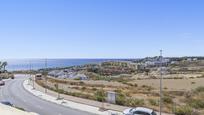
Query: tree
{"x": 0, "y": 65}
{"x": 4, "y": 64}
{"x": 147, "y": 71}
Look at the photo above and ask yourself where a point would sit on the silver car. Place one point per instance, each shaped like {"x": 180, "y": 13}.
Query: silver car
{"x": 139, "y": 111}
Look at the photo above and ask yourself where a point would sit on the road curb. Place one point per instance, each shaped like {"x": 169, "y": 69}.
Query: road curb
{"x": 69, "y": 104}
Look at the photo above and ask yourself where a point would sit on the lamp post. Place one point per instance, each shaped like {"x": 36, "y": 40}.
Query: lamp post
{"x": 45, "y": 72}
{"x": 161, "y": 78}
{"x": 57, "y": 89}
{"x": 31, "y": 75}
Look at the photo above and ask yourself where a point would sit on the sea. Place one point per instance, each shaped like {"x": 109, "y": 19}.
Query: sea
{"x": 35, "y": 64}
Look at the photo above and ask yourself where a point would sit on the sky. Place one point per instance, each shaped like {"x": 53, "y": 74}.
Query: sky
{"x": 100, "y": 28}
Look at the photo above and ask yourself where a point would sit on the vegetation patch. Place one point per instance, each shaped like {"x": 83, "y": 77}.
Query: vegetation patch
{"x": 100, "y": 95}
{"x": 153, "y": 102}
{"x": 196, "y": 103}
{"x": 167, "y": 100}
{"x": 184, "y": 110}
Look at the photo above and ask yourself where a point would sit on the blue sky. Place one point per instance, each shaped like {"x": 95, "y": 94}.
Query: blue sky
{"x": 101, "y": 28}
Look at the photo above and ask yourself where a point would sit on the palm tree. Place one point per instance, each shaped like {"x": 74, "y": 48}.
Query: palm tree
{"x": 4, "y": 64}
{"x": 0, "y": 65}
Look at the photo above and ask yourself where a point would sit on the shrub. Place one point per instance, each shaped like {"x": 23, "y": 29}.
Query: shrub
{"x": 94, "y": 89}
{"x": 148, "y": 88}
{"x": 60, "y": 91}
{"x": 123, "y": 82}
{"x": 135, "y": 85}
{"x": 153, "y": 102}
{"x": 72, "y": 83}
{"x": 202, "y": 76}
{"x": 120, "y": 99}
{"x": 188, "y": 94}
{"x": 144, "y": 86}
{"x": 192, "y": 82}
{"x": 81, "y": 83}
{"x": 165, "y": 88}
{"x": 167, "y": 100}
{"x": 77, "y": 79}
{"x": 119, "y": 91}
{"x": 196, "y": 103}
{"x": 199, "y": 89}
{"x": 83, "y": 88}
{"x": 100, "y": 95}
{"x": 184, "y": 110}
{"x": 135, "y": 102}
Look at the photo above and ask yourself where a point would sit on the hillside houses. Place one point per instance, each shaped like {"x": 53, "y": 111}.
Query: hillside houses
{"x": 67, "y": 74}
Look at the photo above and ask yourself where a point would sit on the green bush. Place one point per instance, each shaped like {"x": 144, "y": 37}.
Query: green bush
{"x": 167, "y": 100}
{"x": 149, "y": 88}
{"x": 192, "y": 82}
{"x": 83, "y": 88}
{"x": 100, "y": 95}
{"x": 199, "y": 89}
{"x": 153, "y": 102}
{"x": 77, "y": 79}
{"x": 94, "y": 89}
{"x": 135, "y": 85}
{"x": 60, "y": 91}
{"x": 196, "y": 103}
{"x": 184, "y": 110}
{"x": 81, "y": 83}
{"x": 134, "y": 102}
{"x": 120, "y": 99}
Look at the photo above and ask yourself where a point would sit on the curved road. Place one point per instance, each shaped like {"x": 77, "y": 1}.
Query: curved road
{"x": 14, "y": 92}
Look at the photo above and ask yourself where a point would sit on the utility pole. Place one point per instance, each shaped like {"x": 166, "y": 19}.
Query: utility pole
{"x": 161, "y": 78}
{"x": 45, "y": 72}
{"x": 31, "y": 75}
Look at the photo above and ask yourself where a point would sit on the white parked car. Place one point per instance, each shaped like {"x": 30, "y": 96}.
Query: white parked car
{"x": 139, "y": 111}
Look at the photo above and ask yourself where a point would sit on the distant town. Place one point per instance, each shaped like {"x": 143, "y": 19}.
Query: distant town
{"x": 126, "y": 66}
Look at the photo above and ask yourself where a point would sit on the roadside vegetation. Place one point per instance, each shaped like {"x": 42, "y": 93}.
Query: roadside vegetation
{"x": 4, "y": 74}
{"x": 137, "y": 86}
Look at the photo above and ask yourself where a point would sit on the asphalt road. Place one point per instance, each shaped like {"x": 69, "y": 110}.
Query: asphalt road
{"x": 14, "y": 92}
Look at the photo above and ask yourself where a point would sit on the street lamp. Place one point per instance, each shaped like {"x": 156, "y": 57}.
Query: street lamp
{"x": 161, "y": 78}
{"x": 31, "y": 75}
{"x": 57, "y": 88}
{"x": 45, "y": 74}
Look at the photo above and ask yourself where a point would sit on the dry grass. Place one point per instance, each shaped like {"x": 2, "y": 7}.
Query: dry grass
{"x": 172, "y": 84}
{"x": 138, "y": 92}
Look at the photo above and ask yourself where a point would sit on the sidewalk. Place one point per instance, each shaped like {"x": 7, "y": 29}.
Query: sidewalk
{"x": 7, "y": 110}
{"x": 74, "y": 102}
{"x": 82, "y": 101}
